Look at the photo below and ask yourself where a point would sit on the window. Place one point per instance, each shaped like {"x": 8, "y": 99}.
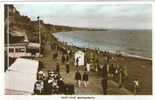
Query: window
{"x": 11, "y": 49}
{"x": 20, "y": 49}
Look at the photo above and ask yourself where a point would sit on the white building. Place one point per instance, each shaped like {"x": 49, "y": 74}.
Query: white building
{"x": 80, "y": 56}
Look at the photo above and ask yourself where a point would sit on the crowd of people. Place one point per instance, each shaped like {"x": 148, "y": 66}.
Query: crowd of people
{"x": 54, "y": 83}
{"x": 110, "y": 69}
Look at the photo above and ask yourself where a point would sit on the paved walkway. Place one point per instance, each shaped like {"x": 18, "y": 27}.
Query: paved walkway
{"x": 94, "y": 87}
{"x": 112, "y": 90}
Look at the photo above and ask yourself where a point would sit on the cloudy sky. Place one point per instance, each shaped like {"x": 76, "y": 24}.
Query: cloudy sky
{"x": 116, "y": 16}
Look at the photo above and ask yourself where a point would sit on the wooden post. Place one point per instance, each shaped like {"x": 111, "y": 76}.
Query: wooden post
{"x": 7, "y": 46}
{"x": 39, "y": 34}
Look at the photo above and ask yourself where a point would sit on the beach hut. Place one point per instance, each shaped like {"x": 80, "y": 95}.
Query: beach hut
{"x": 21, "y": 77}
{"x": 80, "y": 56}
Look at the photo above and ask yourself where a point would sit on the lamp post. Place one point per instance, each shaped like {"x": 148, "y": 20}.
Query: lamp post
{"x": 7, "y": 38}
{"x": 39, "y": 34}
{"x": 7, "y": 26}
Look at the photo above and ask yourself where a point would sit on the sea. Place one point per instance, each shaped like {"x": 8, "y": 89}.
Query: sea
{"x": 136, "y": 43}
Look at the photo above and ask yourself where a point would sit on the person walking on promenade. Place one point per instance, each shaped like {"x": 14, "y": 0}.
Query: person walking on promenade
{"x": 104, "y": 71}
{"x": 55, "y": 55}
{"x": 78, "y": 78}
{"x": 67, "y": 68}
{"x": 46, "y": 86}
{"x": 57, "y": 68}
{"x": 38, "y": 87}
{"x": 77, "y": 61}
{"x": 136, "y": 85}
{"x": 88, "y": 67}
{"x": 77, "y": 67}
{"x": 111, "y": 70}
{"x": 85, "y": 79}
{"x": 104, "y": 85}
{"x": 63, "y": 58}
{"x": 116, "y": 73}
{"x": 120, "y": 77}
{"x": 104, "y": 78}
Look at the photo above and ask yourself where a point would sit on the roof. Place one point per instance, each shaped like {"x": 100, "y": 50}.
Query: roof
{"x": 17, "y": 37}
{"x": 21, "y": 76}
{"x": 16, "y": 33}
{"x": 25, "y": 66}
{"x": 21, "y": 82}
{"x": 79, "y": 52}
{"x": 18, "y": 44}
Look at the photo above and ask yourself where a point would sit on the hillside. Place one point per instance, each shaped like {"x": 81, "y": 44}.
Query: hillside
{"x": 24, "y": 24}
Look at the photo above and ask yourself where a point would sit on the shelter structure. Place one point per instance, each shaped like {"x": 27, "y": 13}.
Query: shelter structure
{"x": 80, "y": 56}
{"x": 19, "y": 46}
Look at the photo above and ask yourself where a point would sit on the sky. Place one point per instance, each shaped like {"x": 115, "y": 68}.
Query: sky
{"x": 111, "y": 16}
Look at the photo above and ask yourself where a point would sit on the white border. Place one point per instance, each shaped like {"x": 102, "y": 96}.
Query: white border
{"x": 54, "y": 97}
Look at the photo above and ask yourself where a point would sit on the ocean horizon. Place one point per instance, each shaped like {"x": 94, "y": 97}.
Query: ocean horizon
{"x": 135, "y": 43}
